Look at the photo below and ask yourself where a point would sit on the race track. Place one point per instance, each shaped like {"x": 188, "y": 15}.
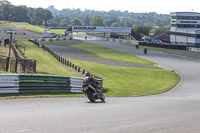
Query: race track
{"x": 176, "y": 111}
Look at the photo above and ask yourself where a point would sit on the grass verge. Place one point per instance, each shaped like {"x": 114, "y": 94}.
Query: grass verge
{"x": 12, "y": 96}
{"x": 149, "y": 48}
{"x": 129, "y": 81}
{"x": 26, "y": 26}
{"x": 45, "y": 42}
{"x": 46, "y": 63}
{"x": 58, "y": 31}
{"x": 111, "y": 54}
{"x": 118, "y": 80}
{"x": 165, "y": 50}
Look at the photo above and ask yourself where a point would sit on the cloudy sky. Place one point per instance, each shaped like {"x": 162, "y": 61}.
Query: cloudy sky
{"x": 159, "y": 6}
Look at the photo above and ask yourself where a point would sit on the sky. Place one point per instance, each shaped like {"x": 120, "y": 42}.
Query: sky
{"x": 159, "y": 6}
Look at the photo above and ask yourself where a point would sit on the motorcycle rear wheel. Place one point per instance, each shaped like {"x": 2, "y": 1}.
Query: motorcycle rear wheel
{"x": 90, "y": 96}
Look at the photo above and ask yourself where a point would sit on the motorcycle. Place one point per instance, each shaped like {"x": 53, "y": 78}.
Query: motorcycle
{"x": 93, "y": 93}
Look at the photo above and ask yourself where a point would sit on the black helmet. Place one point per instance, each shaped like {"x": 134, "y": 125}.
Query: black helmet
{"x": 88, "y": 74}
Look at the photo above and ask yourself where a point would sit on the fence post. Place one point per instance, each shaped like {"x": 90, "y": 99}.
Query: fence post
{"x": 16, "y": 65}
{"x": 34, "y": 66}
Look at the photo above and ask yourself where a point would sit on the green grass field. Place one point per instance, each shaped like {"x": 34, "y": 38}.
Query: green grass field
{"x": 26, "y": 26}
{"x": 46, "y": 63}
{"x": 118, "y": 80}
{"x": 126, "y": 81}
{"x": 58, "y": 31}
{"x": 148, "y": 47}
{"x": 129, "y": 81}
{"x": 158, "y": 49}
{"x": 111, "y": 54}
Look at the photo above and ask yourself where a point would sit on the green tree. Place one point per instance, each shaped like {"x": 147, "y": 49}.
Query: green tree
{"x": 128, "y": 22}
{"x": 97, "y": 20}
{"x": 63, "y": 22}
{"x": 141, "y": 30}
{"x": 162, "y": 30}
{"x": 114, "y": 20}
{"x": 38, "y": 16}
{"x": 6, "y": 10}
{"x": 86, "y": 20}
{"x": 47, "y": 15}
{"x": 105, "y": 23}
{"x": 115, "y": 24}
{"x": 76, "y": 21}
{"x": 19, "y": 14}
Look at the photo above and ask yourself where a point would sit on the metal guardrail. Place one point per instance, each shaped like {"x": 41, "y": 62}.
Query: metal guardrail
{"x": 15, "y": 83}
{"x": 117, "y": 40}
{"x": 62, "y": 59}
{"x": 49, "y": 39}
{"x": 193, "y": 49}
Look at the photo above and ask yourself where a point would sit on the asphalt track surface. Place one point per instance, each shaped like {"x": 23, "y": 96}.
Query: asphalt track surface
{"x": 65, "y": 50}
{"x": 176, "y": 111}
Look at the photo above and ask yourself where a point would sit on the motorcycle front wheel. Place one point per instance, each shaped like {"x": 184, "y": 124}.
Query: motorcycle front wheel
{"x": 91, "y": 97}
{"x": 102, "y": 97}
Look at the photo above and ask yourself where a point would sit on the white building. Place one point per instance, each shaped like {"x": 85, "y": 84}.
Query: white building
{"x": 185, "y": 28}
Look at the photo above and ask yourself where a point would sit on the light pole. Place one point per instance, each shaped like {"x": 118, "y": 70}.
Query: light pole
{"x": 8, "y": 59}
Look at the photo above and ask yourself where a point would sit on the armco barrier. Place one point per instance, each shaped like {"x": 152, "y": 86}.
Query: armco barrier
{"x": 171, "y": 46}
{"x": 69, "y": 37}
{"x": 15, "y": 83}
{"x": 49, "y": 39}
{"x": 193, "y": 49}
{"x": 62, "y": 59}
{"x": 179, "y": 47}
{"x": 119, "y": 40}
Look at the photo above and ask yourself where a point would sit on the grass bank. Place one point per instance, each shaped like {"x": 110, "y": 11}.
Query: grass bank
{"x": 120, "y": 81}
{"x": 10, "y": 96}
{"x": 165, "y": 50}
{"x": 58, "y": 31}
{"x": 148, "y": 47}
{"x": 111, "y": 54}
{"x": 46, "y": 42}
{"x": 129, "y": 81}
{"x": 46, "y": 63}
{"x": 25, "y": 26}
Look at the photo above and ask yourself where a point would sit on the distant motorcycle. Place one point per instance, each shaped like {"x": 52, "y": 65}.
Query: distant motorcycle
{"x": 93, "y": 92}
{"x": 145, "y": 50}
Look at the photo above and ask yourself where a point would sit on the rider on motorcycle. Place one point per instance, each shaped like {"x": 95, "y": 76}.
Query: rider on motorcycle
{"x": 91, "y": 80}
{"x": 92, "y": 88}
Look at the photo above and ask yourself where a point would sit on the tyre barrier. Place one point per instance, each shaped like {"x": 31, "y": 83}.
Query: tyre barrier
{"x": 193, "y": 49}
{"x": 49, "y": 39}
{"x": 119, "y": 40}
{"x": 17, "y": 83}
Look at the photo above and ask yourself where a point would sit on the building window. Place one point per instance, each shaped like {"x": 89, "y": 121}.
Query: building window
{"x": 193, "y": 21}
{"x": 185, "y": 21}
{"x": 188, "y": 17}
{"x": 173, "y": 25}
{"x": 174, "y": 17}
{"x": 198, "y": 36}
{"x": 185, "y": 34}
{"x": 188, "y": 25}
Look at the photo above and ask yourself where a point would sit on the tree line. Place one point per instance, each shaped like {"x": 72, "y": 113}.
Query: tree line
{"x": 35, "y": 16}
{"x": 111, "y": 18}
{"x": 141, "y": 23}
